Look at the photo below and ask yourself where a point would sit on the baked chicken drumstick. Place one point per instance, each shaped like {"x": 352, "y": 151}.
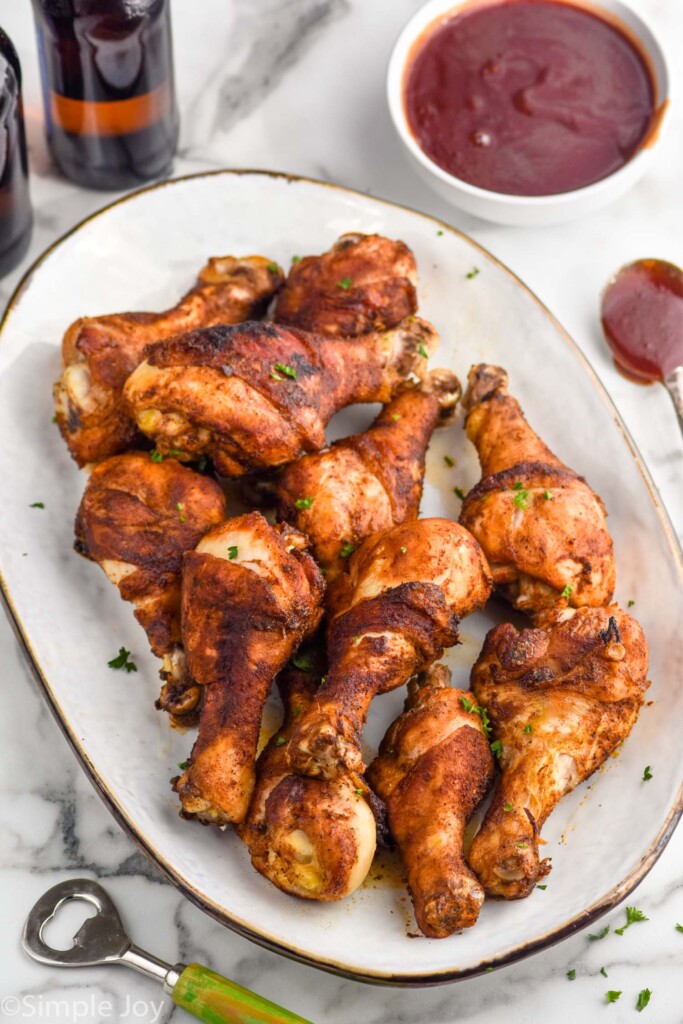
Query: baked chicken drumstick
{"x": 99, "y": 352}
{"x": 137, "y": 518}
{"x": 364, "y": 283}
{"x": 368, "y": 482}
{"x": 250, "y": 595}
{"x": 541, "y": 526}
{"x": 257, "y": 395}
{"x": 393, "y": 613}
{"x": 433, "y": 769}
{"x": 310, "y": 837}
{"x": 560, "y": 699}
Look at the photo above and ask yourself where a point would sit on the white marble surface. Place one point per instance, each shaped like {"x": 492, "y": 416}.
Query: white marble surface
{"x": 297, "y": 85}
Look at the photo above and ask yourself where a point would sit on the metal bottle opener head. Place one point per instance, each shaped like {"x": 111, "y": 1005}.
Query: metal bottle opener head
{"x": 101, "y": 939}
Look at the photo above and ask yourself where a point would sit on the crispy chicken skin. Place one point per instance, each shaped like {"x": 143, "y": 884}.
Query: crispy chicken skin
{"x": 258, "y": 395}
{"x": 560, "y": 700}
{"x": 250, "y": 594}
{"x": 310, "y": 837}
{"x": 98, "y": 353}
{"x": 371, "y": 481}
{"x": 393, "y": 613}
{"x": 542, "y": 527}
{"x": 137, "y": 518}
{"x": 364, "y": 283}
{"x": 433, "y": 769}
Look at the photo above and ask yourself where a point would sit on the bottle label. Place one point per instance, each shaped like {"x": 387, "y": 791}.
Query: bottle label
{"x": 116, "y": 117}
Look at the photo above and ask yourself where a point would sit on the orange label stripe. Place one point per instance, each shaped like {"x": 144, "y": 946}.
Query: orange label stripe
{"x": 117, "y": 117}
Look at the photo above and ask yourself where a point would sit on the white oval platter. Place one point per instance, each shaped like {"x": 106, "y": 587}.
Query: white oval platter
{"x": 143, "y": 253}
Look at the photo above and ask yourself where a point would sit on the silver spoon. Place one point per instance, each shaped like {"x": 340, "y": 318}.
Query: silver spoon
{"x": 102, "y": 939}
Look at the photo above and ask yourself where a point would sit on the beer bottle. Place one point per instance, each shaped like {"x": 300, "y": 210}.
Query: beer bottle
{"x": 15, "y": 205}
{"x": 108, "y": 90}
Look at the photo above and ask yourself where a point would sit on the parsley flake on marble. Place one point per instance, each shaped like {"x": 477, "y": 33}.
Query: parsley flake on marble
{"x": 122, "y": 660}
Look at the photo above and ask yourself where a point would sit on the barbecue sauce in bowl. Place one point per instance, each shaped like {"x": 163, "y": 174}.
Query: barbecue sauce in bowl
{"x": 528, "y": 97}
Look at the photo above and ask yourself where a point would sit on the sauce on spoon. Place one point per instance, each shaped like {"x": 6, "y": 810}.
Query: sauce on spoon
{"x": 642, "y": 317}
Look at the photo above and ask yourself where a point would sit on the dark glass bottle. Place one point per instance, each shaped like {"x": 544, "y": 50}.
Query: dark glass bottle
{"x": 107, "y": 71}
{"x": 15, "y": 205}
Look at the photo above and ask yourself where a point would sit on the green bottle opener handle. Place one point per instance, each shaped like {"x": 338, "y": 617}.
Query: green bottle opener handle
{"x": 215, "y": 1000}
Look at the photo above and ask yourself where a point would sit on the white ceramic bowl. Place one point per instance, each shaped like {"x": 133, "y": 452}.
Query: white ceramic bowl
{"x": 513, "y": 209}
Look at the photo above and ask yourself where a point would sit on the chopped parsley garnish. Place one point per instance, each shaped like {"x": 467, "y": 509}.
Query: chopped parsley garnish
{"x": 304, "y": 502}
{"x": 518, "y": 486}
{"x": 679, "y": 927}
{"x": 54, "y": 419}
{"x": 521, "y": 499}
{"x": 175, "y": 453}
{"x": 183, "y": 765}
{"x": 423, "y": 351}
{"x": 572, "y": 974}
{"x": 630, "y": 603}
{"x": 497, "y": 748}
{"x": 347, "y": 549}
{"x": 404, "y": 550}
{"x": 633, "y": 915}
{"x": 345, "y": 284}
{"x": 567, "y": 591}
{"x": 280, "y": 741}
{"x": 182, "y": 518}
{"x": 612, "y": 995}
{"x": 37, "y": 504}
{"x": 396, "y": 416}
{"x": 508, "y": 807}
{"x": 527, "y": 728}
{"x": 489, "y": 969}
{"x": 475, "y": 709}
{"x": 273, "y": 268}
{"x": 459, "y": 493}
{"x": 473, "y": 273}
{"x": 521, "y": 844}
{"x": 547, "y": 495}
{"x": 304, "y": 662}
{"x": 122, "y": 660}
{"x": 156, "y": 455}
{"x": 599, "y": 935}
{"x": 288, "y": 371}
{"x": 296, "y": 259}
{"x": 357, "y": 639}
{"x": 647, "y": 774}
{"x": 232, "y": 552}
{"x": 643, "y": 999}
{"x": 449, "y": 460}
{"x": 603, "y": 972}
{"x": 544, "y": 887}
{"x": 359, "y": 792}
{"x": 439, "y": 232}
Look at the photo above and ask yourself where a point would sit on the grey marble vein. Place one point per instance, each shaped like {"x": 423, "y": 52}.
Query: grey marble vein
{"x": 272, "y": 36}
